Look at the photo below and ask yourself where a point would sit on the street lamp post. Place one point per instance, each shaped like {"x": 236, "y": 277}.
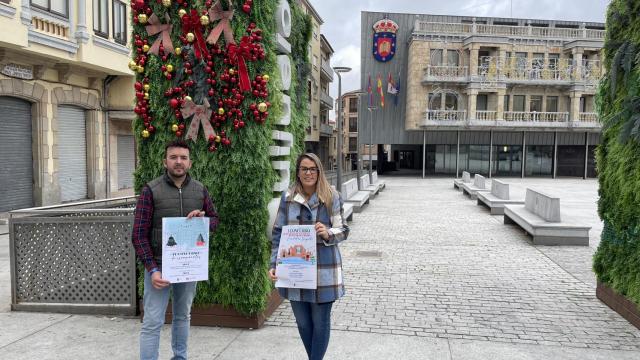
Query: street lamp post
{"x": 371, "y": 108}
{"x": 359, "y": 94}
{"x": 338, "y": 70}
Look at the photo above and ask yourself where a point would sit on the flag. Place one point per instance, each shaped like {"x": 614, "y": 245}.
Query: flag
{"x": 392, "y": 89}
{"x": 370, "y": 91}
{"x": 380, "y": 91}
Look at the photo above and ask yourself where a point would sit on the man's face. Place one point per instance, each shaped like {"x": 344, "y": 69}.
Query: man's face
{"x": 177, "y": 161}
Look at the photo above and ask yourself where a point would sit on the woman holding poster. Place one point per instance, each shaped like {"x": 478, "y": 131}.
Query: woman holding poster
{"x": 312, "y": 201}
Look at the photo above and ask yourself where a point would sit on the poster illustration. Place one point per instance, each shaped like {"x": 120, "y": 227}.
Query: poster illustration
{"x": 296, "y": 264}
{"x": 185, "y": 249}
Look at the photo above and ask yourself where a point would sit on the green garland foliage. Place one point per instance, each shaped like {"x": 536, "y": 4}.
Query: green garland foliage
{"x": 617, "y": 260}
{"x": 240, "y": 177}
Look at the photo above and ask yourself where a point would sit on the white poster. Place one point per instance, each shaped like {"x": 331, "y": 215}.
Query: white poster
{"x": 296, "y": 264}
{"x": 185, "y": 249}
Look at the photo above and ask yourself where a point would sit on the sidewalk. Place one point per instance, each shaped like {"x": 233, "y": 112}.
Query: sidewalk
{"x": 429, "y": 275}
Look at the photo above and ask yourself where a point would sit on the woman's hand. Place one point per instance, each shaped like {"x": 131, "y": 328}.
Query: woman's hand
{"x": 322, "y": 231}
{"x": 272, "y": 275}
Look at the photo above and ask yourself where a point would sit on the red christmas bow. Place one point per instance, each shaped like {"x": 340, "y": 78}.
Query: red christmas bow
{"x": 191, "y": 24}
{"x": 224, "y": 26}
{"x": 238, "y": 54}
{"x": 165, "y": 34}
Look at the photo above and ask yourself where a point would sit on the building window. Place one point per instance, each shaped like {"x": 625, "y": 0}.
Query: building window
{"x": 436, "y": 57}
{"x": 450, "y": 102}
{"x": 521, "y": 61}
{"x": 518, "y": 102}
{"x": 353, "y": 124}
{"x": 452, "y": 58}
{"x": 101, "y": 18}
{"x": 315, "y": 62}
{"x": 315, "y": 121}
{"x": 552, "y": 104}
{"x": 434, "y": 101}
{"x": 353, "y": 105}
{"x": 506, "y": 103}
{"x": 553, "y": 61}
{"x": 120, "y": 22}
{"x": 481, "y": 102}
{"x": 535, "y": 103}
{"x": 58, "y": 7}
{"x": 353, "y": 144}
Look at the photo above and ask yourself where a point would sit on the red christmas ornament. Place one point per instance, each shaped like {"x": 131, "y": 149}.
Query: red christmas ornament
{"x": 173, "y": 103}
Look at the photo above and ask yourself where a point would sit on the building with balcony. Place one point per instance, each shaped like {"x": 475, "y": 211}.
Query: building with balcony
{"x": 65, "y": 101}
{"x": 326, "y": 102}
{"x": 495, "y": 96}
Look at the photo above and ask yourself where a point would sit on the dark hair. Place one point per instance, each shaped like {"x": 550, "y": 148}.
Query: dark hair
{"x": 177, "y": 144}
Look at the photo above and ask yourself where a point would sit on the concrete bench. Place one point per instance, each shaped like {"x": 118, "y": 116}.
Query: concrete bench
{"x": 473, "y": 189}
{"x": 380, "y": 183}
{"x": 540, "y": 217}
{"x": 466, "y": 178}
{"x": 497, "y": 198}
{"x": 347, "y": 211}
{"x": 366, "y": 186}
{"x": 351, "y": 195}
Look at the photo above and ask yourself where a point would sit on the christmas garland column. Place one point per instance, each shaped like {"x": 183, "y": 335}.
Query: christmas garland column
{"x": 207, "y": 72}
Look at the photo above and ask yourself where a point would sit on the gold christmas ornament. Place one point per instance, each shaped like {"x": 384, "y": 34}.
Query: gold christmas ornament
{"x": 140, "y": 69}
{"x": 146, "y": 87}
{"x": 190, "y": 37}
{"x": 146, "y": 96}
{"x": 169, "y": 68}
{"x": 182, "y": 12}
{"x": 166, "y": 3}
{"x": 220, "y": 111}
{"x": 217, "y": 139}
{"x": 142, "y": 18}
{"x": 232, "y": 72}
{"x": 265, "y": 77}
{"x": 145, "y": 134}
{"x": 178, "y": 50}
{"x": 145, "y": 48}
{"x": 262, "y": 107}
{"x": 174, "y": 127}
{"x": 204, "y": 20}
{"x": 187, "y": 98}
{"x": 132, "y": 65}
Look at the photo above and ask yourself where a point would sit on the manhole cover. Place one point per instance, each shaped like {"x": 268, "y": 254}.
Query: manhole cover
{"x": 371, "y": 253}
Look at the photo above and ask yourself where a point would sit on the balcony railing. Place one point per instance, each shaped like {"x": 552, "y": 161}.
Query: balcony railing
{"x": 326, "y": 100}
{"x": 447, "y": 72}
{"x": 536, "y": 116}
{"x": 588, "y": 117}
{"x": 507, "y": 30}
{"x": 327, "y": 70}
{"x": 523, "y": 69}
{"x": 326, "y": 129}
{"x": 486, "y": 115}
{"x": 446, "y": 115}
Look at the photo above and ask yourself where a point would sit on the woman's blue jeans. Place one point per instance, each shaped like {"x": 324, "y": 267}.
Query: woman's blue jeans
{"x": 314, "y": 326}
{"x": 155, "y": 306}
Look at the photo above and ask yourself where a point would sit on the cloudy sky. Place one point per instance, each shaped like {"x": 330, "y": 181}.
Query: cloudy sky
{"x": 342, "y": 20}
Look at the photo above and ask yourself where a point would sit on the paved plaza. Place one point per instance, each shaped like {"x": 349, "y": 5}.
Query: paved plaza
{"x": 429, "y": 275}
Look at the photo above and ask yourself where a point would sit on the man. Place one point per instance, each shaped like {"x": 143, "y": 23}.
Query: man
{"x": 174, "y": 194}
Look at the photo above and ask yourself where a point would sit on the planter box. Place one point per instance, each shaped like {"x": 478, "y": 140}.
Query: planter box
{"x": 626, "y": 308}
{"x": 218, "y": 315}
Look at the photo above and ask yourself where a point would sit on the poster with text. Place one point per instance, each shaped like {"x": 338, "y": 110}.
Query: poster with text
{"x": 296, "y": 264}
{"x": 185, "y": 249}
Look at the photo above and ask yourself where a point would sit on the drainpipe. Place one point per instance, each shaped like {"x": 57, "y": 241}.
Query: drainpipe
{"x": 105, "y": 94}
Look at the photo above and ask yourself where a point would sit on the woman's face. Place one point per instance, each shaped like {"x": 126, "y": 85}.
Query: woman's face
{"x": 308, "y": 173}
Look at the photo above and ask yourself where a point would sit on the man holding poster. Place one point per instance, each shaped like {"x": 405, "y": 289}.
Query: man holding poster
{"x": 304, "y": 249}
{"x": 172, "y": 195}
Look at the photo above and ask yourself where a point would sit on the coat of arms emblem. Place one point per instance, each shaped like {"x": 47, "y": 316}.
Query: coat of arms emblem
{"x": 384, "y": 39}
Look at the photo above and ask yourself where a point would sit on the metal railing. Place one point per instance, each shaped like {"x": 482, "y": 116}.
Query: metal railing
{"x": 326, "y": 100}
{"x": 446, "y": 71}
{"x": 507, "y": 30}
{"x": 536, "y": 116}
{"x": 74, "y": 258}
{"x": 447, "y": 115}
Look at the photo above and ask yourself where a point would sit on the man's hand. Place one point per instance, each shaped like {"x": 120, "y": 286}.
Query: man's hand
{"x": 196, "y": 213}
{"x": 322, "y": 231}
{"x": 158, "y": 282}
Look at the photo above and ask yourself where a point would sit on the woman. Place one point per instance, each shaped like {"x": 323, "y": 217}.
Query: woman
{"x": 311, "y": 201}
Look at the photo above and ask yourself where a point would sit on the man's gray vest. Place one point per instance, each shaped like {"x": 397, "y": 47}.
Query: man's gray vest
{"x": 170, "y": 201}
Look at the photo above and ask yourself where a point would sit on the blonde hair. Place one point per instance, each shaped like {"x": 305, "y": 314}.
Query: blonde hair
{"x": 323, "y": 188}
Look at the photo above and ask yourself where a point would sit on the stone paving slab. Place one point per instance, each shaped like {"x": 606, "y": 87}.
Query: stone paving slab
{"x": 448, "y": 269}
